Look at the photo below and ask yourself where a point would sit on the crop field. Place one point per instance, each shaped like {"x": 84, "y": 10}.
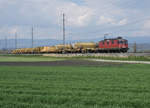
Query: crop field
{"x": 103, "y": 86}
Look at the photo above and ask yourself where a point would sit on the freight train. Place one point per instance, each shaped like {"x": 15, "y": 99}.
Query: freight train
{"x": 113, "y": 45}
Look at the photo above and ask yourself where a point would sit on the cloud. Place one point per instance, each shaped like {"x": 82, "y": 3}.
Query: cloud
{"x": 110, "y": 21}
{"x": 144, "y": 29}
{"x": 24, "y": 32}
{"x": 50, "y": 11}
{"x": 13, "y": 30}
{"x": 147, "y": 24}
{"x": 76, "y": 15}
{"x": 105, "y": 20}
{"x": 107, "y": 15}
{"x": 45, "y": 12}
{"x": 123, "y": 22}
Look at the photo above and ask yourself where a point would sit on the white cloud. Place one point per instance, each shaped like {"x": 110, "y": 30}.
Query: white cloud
{"x": 108, "y": 12}
{"x": 123, "y": 22}
{"x": 89, "y": 15}
{"x": 105, "y": 20}
{"x": 141, "y": 33}
{"x": 49, "y": 11}
{"x": 144, "y": 30}
{"x": 25, "y": 32}
{"x": 147, "y": 24}
{"x": 76, "y": 15}
{"x": 13, "y": 30}
{"x": 111, "y": 21}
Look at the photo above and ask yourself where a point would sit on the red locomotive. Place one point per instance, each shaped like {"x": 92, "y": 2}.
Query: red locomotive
{"x": 113, "y": 45}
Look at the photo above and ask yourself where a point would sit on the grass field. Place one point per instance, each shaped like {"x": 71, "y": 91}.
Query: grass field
{"x": 122, "y": 86}
{"x": 27, "y": 58}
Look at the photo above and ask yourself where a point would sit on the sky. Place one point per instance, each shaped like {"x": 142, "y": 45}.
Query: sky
{"x": 85, "y": 19}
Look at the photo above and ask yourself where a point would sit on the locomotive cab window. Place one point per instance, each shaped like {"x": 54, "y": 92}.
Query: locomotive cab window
{"x": 108, "y": 42}
{"x": 120, "y": 42}
{"x": 103, "y": 42}
{"x": 126, "y": 42}
{"x": 112, "y": 41}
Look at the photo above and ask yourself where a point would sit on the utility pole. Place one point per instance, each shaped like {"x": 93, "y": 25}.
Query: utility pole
{"x": 6, "y": 43}
{"x": 32, "y": 35}
{"x": 135, "y": 47}
{"x": 63, "y": 29}
{"x": 16, "y": 40}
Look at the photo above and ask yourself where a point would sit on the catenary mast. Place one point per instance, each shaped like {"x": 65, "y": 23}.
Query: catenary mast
{"x": 63, "y": 29}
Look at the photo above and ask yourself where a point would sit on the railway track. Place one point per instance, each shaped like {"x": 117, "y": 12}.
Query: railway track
{"x": 100, "y": 54}
{"x": 87, "y": 54}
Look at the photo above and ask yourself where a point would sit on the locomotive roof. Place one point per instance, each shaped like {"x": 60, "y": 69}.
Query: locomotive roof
{"x": 118, "y": 38}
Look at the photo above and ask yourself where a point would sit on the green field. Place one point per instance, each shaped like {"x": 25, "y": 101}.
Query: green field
{"x": 122, "y": 86}
{"x": 27, "y": 58}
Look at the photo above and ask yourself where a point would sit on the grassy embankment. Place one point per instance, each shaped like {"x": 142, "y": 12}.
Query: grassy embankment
{"x": 129, "y": 58}
{"x": 35, "y": 58}
{"x": 125, "y": 86}
{"x": 28, "y": 58}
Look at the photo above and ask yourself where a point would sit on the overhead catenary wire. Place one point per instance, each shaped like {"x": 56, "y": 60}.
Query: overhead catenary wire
{"x": 16, "y": 40}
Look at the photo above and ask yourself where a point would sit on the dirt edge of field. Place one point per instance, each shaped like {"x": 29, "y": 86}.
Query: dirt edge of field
{"x": 60, "y": 63}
